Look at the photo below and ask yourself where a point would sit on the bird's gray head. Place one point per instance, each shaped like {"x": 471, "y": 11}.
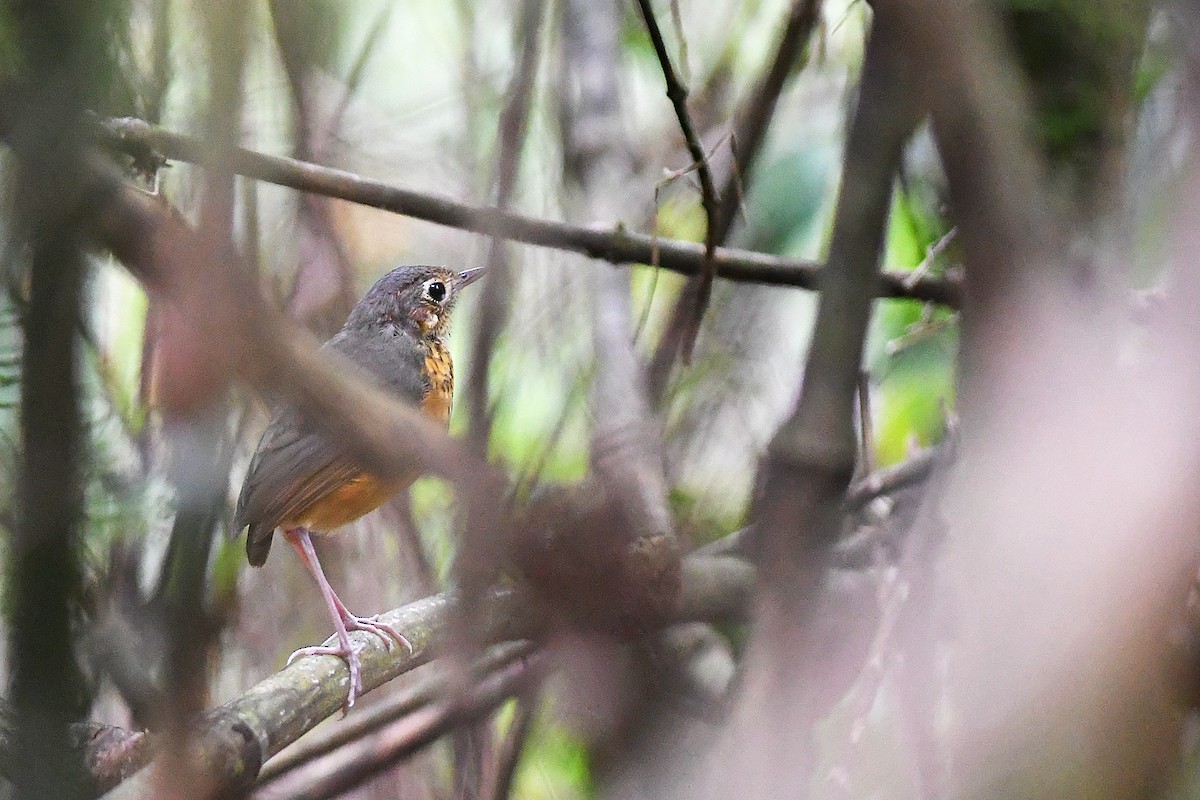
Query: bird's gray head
{"x": 418, "y": 299}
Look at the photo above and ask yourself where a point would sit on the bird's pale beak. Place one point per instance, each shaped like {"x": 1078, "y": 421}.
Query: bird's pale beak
{"x": 469, "y": 276}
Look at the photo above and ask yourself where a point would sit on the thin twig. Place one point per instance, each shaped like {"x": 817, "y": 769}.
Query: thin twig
{"x": 617, "y": 245}
{"x": 359, "y": 67}
{"x": 932, "y": 253}
{"x": 921, "y": 330}
{"x": 700, "y": 287}
{"x": 746, "y": 141}
{"x": 323, "y": 260}
{"x": 866, "y": 435}
{"x": 888, "y": 480}
{"x": 532, "y": 470}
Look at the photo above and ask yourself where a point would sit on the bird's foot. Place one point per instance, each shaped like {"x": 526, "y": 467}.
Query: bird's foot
{"x": 381, "y": 629}
{"x": 348, "y": 652}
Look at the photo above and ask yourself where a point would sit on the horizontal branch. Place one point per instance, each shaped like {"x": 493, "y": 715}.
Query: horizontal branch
{"x": 615, "y": 245}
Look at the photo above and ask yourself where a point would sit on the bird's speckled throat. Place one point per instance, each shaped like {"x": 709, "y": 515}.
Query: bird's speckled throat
{"x": 439, "y": 370}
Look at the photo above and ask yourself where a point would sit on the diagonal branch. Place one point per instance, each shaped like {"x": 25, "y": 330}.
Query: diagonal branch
{"x": 379, "y": 715}
{"x": 480, "y": 550}
{"x": 748, "y": 135}
{"x": 361, "y": 760}
{"x": 677, "y": 93}
{"x": 617, "y": 246}
{"x": 626, "y": 443}
{"x": 237, "y": 738}
{"x": 681, "y": 335}
{"x": 818, "y": 444}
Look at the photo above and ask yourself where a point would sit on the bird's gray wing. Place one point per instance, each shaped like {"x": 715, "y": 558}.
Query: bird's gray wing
{"x": 294, "y": 466}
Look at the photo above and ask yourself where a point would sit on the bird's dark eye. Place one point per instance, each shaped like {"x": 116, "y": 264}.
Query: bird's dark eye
{"x": 436, "y": 291}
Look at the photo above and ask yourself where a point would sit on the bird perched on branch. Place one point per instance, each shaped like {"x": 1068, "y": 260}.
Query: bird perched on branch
{"x": 301, "y": 481}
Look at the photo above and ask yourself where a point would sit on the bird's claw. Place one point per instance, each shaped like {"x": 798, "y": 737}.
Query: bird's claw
{"x": 383, "y": 630}
{"x": 349, "y": 651}
{"x": 346, "y": 651}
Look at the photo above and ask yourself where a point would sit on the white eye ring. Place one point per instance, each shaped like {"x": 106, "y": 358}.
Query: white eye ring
{"x": 436, "y": 290}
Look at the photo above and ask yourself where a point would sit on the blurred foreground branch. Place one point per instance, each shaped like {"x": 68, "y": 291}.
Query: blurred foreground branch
{"x": 480, "y": 551}
{"x": 617, "y": 245}
{"x": 1076, "y": 630}
{"x": 790, "y": 678}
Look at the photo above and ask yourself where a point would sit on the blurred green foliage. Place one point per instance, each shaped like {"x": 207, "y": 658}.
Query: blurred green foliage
{"x": 790, "y": 192}
{"x": 911, "y": 350}
{"x": 555, "y": 765}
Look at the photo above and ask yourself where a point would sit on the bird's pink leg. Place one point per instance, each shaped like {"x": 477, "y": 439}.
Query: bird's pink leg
{"x": 343, "y": 620}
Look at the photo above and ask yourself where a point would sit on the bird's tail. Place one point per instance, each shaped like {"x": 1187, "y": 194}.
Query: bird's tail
{"x": 258, "y": 544}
